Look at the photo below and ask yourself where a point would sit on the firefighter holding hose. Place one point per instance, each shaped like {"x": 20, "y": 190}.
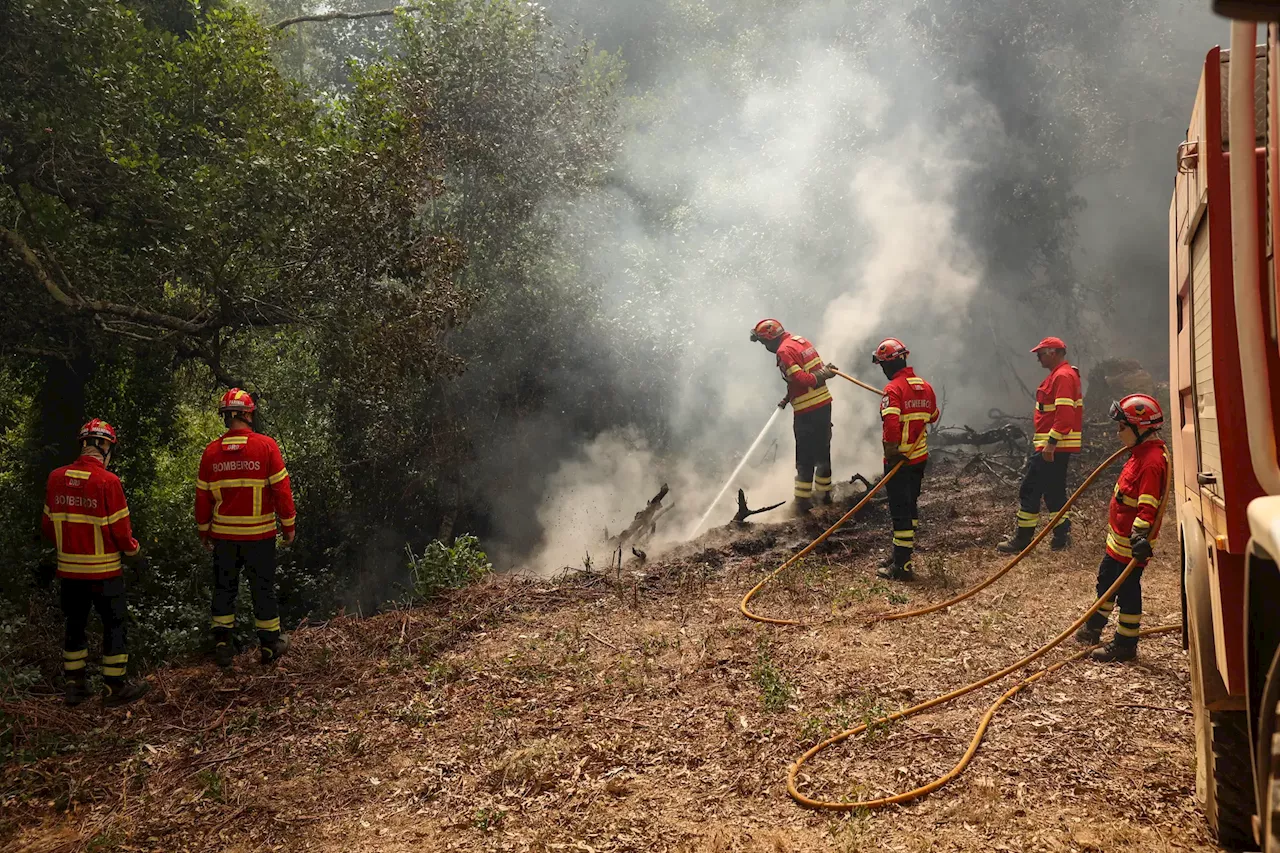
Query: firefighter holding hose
{"x": 806, "y": 377}
{"x": 1133, "y": 524}
{"x": 1059, "y": 415}
{"x": 906, "y": 409}
{"x": 242, "y": 492}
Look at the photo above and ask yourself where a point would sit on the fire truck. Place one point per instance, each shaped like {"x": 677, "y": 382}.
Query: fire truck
{"x": 1224, "y": 389}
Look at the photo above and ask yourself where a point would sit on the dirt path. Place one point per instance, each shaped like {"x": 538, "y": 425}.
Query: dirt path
{"x": 599, "y": 717}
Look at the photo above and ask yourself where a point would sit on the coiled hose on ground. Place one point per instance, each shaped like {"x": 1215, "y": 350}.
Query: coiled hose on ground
{"x": 985, "y": 722}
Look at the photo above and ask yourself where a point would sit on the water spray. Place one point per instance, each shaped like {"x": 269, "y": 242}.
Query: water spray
{"x": 736, "y": 471}
{"x": 756, "y": 444}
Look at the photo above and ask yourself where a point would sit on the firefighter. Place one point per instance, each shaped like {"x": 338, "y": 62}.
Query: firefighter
{"x": 1135, "y": 504}
{"x": 806, "y": 377}
{"x": 242, "y": 492}
{"x": 906, "y": 409}
{"x": 1059, "y": 414}
{"x": 87, "y": 518}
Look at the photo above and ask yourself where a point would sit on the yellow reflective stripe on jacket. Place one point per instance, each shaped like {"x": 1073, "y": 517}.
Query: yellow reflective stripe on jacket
{"x": 203, "y": 484}
{"x": 1148, "y": 500}
{"x": 79, "y": 518}
{"x": 795, "y": 368}
{"x": 239, "y": 530}
{"x": 914, "y": 380}
{"x": 812, "y": 363}
{"x": 811, "y": 398}
{"x": 243, "y": 483}
{"x": 1119, "y": 544}
{"x": 276, "y": 478}
{"x": 116, "y": 516}
{"x": 1124, "y": 499}
{"x": 243, "y": 519}
{"x": 892, "y": 410}
{"x": 1065, "y": 401}
{"x": 84, "y": 569}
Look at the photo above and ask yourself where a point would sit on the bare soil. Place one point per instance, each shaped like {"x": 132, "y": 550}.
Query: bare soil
{"x": 642, "y": 712}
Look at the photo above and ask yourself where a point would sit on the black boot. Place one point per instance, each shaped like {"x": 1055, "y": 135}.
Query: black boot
{"x": 897, "y": 573}
{"x": 887, "y": 562}
{"x": 1018, "y": 541}
{"x": 1088, "y": 636}
{"x": 1061, "y": 538}
{"x": 76, "y": 690}
{"x": 117, "y": 693}
{"x": 272, "y": 650}
{"x": 224, "y": 652}
{"x": 801, "y": 506}
{"x": 825, "y": 499}
{"x": 1116, "y": 651}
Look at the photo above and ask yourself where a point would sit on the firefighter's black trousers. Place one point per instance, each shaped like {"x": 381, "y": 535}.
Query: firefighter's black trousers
{"x": 813, "y": 452}
{"x": 258, "y": 558}
{"x": 78, "y": 598}
{"x": 904, "y": 498}
{"x": 1045, "y": 481}
{"x": 1129, "y": 597}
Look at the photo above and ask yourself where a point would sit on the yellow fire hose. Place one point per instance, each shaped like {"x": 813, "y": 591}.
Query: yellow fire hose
{"x": 985, "y": 722}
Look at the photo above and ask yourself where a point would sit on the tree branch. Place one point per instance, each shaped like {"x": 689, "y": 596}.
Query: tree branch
{"x": 263, "y": 314}
{"x": 335, "y": 16}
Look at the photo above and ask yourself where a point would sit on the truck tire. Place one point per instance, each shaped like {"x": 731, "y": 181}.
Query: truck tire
{"x": 1271, "y": 843}
{"x": 1231, "y": 804}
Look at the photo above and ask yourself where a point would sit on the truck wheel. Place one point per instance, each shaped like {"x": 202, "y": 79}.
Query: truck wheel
{"x": 1272, "y": 840}
{"x": 1230, "y": 806}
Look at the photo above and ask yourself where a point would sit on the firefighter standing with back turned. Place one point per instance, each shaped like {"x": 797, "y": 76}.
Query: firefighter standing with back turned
{"x": 806, "y": 377}
{"x": 906, "y": 409}
{"x": 87, "y": 517}
{"x": 1059, "y": 414}
{"x": 242, "y": 490}
{"x": 1132, "y": 525}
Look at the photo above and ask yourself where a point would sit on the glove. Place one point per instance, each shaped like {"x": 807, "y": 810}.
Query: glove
{"x": 892, "y": 453}
{"x": 1140, "y": 547}
{"x": 44, "y": 574}
{"x": 139, "y": 565}
{"x": 782, "y": 404}
{"x": 822, "y": 374}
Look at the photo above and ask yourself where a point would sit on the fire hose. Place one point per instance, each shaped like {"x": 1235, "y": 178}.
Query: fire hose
{"x": 907, "y": 796}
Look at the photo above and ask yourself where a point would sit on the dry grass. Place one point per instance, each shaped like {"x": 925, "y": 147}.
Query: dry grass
{"x": 586, "y": 715}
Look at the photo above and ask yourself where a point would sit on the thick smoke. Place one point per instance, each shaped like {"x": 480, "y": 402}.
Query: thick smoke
{"x": 855, "y": 170}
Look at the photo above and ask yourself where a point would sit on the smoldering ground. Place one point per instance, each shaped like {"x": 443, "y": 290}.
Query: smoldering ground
{"x": 856, "y": 170}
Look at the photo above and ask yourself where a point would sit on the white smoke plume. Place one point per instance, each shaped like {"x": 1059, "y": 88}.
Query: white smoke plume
{"x": 804, "y": 191}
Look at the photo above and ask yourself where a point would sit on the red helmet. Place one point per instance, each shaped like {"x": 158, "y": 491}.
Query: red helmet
{"x": 1138, "y": 411}
{"x": 236, "y": 400}
{"x": 890, "y": 349}
{"x": 1050, "y": 343}
{"x": 767, "y": 330}
{"x": 98, "y": 428}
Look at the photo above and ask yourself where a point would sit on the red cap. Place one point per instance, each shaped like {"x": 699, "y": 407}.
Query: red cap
{"x": 1050, "y": 343}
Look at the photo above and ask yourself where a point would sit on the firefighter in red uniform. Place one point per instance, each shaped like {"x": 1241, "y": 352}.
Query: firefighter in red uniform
{"x": 242, "y": 491}
{"x": 906, "y": 409}
{"x": 806, "y": 377}
{"x": 1059, "y": 415}
{"x": 87, "y": 518}
{"x": 1133, "y": 524}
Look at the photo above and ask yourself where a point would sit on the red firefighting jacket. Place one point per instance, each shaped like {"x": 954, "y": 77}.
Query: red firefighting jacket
{"x": 86, "y": 516}
{"x": 1137, "y": 497}
{"x": 796, "y": 359}
{"x": 243, "y": 488}
{"x": 907, "y": 407}
{"x": 1060, "y": 410}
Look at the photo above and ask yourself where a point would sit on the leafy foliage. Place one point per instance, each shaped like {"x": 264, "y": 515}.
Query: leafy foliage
{"x": 443, "y": 566}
